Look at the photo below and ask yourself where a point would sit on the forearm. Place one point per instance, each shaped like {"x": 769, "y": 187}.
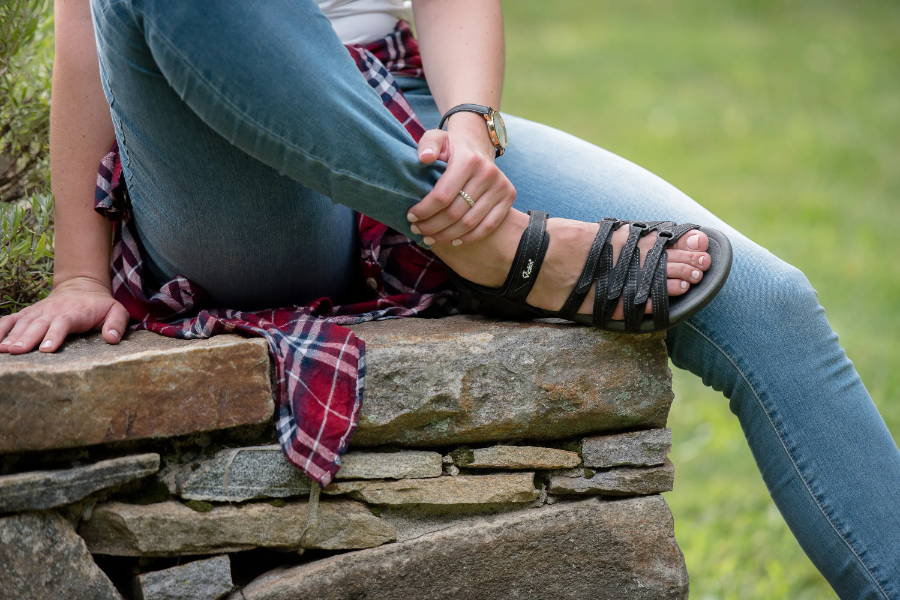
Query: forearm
{"x": 462, "y": 47}
{"x": 80, "y": 133}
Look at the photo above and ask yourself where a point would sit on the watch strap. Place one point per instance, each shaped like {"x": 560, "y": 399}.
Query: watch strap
{"x": 475, "y": 108}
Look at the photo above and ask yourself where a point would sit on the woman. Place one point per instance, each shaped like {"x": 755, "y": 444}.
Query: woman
{"x": 268, "y": 113}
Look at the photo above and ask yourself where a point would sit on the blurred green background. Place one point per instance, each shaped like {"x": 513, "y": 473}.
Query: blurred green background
{"x": 784, "y": 119}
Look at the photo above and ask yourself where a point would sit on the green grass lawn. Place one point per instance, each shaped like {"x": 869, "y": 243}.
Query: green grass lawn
{"x": 784, "y": 119}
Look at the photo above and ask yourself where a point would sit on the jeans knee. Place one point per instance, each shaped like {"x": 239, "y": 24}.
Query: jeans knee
{"x": 788, "y": 292}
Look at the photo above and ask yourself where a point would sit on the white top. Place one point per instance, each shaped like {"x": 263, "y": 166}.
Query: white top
{"x": 363, "y": 21}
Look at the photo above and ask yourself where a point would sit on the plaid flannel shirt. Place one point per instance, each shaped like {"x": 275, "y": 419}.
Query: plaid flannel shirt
{"x": 319, "y": 363}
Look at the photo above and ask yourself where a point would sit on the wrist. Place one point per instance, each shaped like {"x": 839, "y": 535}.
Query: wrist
{"x": 470, "y": 129}
{"x": 80, "y": 282}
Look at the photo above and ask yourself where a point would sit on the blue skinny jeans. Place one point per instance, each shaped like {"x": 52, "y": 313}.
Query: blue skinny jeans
{"x": 249, "y": 137}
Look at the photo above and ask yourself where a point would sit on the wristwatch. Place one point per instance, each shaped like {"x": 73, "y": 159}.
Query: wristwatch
{"x": 495, "y": 126}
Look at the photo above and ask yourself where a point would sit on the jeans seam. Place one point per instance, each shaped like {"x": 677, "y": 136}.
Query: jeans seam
{"x": 268, "y": 131}
{"x": 759, "y": 401}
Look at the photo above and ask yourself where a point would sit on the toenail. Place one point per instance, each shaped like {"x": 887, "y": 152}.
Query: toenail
{"x": 411, "y": 217}
{"x": 693, "y": 242}
{"x": 702, "y": 260}
{"x": 684, "y": 285}
{"x": 695, "y": 274}
{"x": 428, "y": 240}
{"x": 456, "y": 242}
{"x": 20, "y": 343}
{"x": 415, "y": 229}
{"x": 46, "y": 343}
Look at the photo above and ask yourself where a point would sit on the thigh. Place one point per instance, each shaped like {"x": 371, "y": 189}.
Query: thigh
{"x": 204, "y": 208}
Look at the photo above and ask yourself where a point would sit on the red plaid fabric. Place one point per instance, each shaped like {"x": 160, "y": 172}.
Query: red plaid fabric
{"x": 319, "y": 363}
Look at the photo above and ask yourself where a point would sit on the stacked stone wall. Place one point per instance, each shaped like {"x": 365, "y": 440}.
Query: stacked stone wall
{"x": 492, "y": 460}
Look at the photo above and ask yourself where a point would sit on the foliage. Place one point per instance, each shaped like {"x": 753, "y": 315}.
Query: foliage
{"x": 26, "y": 262}
{"x": 26, "y": 49}
{"x": 783, "y": 118}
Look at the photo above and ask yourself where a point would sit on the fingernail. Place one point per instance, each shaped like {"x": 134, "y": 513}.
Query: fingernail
{"x": 114, "y": 333}
{"x": 684, "y": 285}
{"x": 456, "y": 242}
{"x": 411, "y": 217}
{"x": 428, "y": 240}
{"x": 427, "y": 152}
{"x": 415, "y": 229}
{"x": 695, "y": 274}
{"x": 694, "y": 242}
{"x": 46, "y": 343}
{"x": 702, "y": 260}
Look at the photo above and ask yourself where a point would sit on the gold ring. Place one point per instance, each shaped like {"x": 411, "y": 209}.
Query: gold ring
{"x": 467, "y": 198}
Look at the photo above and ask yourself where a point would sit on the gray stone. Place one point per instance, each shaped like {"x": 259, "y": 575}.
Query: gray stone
{"x": 38, "y": 490}
{"x": 639, "y": 448}
{"x": 147, "y": 386}
{"x": 461, "y": 490}
{"x": 43, "y": 558}
{"x": 390, "y": 465}
{"x": 238, "y": 474}
{"x": 620, "y": 481}
{"x": 515, "y": 457}
{"x": 591, "y": 550}
{"x": 208, "y": 579}
{"x": 466, "y": 379}
{"x": 172, "y": 529}
{"x": 415, "y": 521}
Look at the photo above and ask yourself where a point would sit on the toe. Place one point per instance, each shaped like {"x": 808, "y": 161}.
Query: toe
{"x": 677, "y": 287}
{"x": 694, "y": 240}
{"x": 684, "y": 272}
{"x": 698, "y": 260}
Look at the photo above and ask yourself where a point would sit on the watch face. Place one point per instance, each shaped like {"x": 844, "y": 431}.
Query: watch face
{"x": 499, "y": 127}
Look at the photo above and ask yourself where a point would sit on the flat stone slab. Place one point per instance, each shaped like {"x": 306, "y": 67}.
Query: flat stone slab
{"x": 515, "y": 457}
{"x": 38, "y": 490}
{"x": 638, "y": 448}
{"x": 208, "y": 579}
{"x": 429, "y": 382}
{"x": 237, "y": 475}
{"x": 461, "y": 490}
{"x": 405, "y": 464}
{"x": 620, "y": 481}
{"x": 173, "y": 529}
{"x": 42, "y": 557}
{"x": 465, "y": 379}
{"x": 590, "y": 550}
{"x": 148, "y": 386}
{"x": 240, "y": 474}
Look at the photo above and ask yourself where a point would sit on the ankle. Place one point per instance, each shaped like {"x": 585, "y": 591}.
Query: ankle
{"x": 486, "y": 261}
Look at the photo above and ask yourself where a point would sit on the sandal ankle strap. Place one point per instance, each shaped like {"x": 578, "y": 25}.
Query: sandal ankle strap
{"x": 528, "y": 258}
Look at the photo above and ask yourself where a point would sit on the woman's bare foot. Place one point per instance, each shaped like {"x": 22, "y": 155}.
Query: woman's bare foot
{"x": 488, "y": 261}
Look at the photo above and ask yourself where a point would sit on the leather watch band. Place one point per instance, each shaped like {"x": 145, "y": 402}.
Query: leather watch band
{"x": 475, "y": 108}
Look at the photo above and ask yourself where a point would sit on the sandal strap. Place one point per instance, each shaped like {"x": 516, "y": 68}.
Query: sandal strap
{"x": 528, "y": 258}
{"x": 629, "y": 280}
{"x": 587, "y": 276}
{"x": 604, "y": 305}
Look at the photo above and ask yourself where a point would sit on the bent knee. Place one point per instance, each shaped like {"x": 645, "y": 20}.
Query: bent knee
{"x": 786, "y": 291}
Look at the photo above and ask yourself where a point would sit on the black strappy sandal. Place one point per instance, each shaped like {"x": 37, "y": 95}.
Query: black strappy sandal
{"x": 627, "y": 279}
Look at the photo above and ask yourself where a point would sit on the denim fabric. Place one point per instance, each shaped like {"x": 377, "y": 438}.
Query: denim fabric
{"x": 248, "y": 136}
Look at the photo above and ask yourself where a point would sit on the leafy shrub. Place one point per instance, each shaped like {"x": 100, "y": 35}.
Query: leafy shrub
{"x": 26, "y": 262}
{"x": 26, "y": 53}
{"x": 26, "y": 232}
